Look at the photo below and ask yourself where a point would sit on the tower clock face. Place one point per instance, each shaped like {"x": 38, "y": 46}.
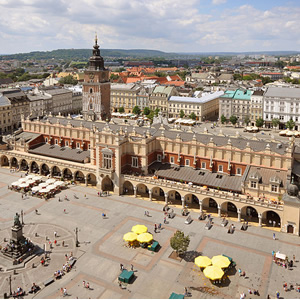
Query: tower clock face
{"x": 92, "y": 75}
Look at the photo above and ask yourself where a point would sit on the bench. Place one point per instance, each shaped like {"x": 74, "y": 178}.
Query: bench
{"x": 208, "y": 225}
{"x": 188, "y": 220}
{"x": 48, "y": 281}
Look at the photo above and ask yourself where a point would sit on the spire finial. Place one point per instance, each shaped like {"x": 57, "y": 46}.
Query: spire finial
{"x": 96, "y": 38}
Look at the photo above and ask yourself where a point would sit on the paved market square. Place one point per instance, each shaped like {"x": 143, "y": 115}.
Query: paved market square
{"x": 102, "y": 249}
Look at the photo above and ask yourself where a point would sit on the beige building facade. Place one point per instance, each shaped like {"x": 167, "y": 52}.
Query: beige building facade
{"x": 5, "y": 115}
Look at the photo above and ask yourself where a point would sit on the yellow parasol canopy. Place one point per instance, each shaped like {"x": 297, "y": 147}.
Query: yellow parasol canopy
{"x": 130, "y": 236}
{"x": 145, "y": 237}
{"x": 213, "y": 272}
{"x": 202, "y": 261}
{"x": 138, "y": 229}
{"x": 220, "y": 261}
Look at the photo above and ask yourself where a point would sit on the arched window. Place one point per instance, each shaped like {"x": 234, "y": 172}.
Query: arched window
{"x": 91, "y": 90}
{"x": 46, "y": 140}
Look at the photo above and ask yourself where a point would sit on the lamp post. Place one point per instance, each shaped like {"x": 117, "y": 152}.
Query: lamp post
{"x": 22, "y": 217}
{"x": 76, "y": 237}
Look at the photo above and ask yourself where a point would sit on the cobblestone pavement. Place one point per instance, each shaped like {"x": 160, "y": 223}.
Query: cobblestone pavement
{"x": 156, "y": 274}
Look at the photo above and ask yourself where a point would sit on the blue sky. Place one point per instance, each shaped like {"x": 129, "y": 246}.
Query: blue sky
{"x": 167, "y": 25}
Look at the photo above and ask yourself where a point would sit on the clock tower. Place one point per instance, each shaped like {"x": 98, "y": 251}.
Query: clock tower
{"x": 96, "y": 88}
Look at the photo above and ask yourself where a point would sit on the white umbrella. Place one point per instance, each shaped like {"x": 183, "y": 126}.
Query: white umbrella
{"x": 30, "y": 181}
{"x": 16, "y": 183}
{"x": 23, "y": 185}
{"x": 51, "y": 187}
{"x": 50, "y": 181}
{"x": 43, "y": 185}
{"x": 36, "y": 188}
{"x": 36, "y": 178}
{"x": 57, "y": 183}
{"x": 29, "y": 176}
{"x": 46, "y": 190}
{"x": 283, "y": 132}
{"x": 289, "y": 133}
{"x": 21, "y": 180}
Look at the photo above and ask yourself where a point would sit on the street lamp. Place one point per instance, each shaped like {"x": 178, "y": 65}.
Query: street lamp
{"x": 76, "y": 237}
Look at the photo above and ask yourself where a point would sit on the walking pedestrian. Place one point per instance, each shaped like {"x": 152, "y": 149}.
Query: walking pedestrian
{"x": 55, "y": 234}
{"x": 121, "y": 267}
{"x": 65, "y": 292}
{"x": 120, "y": 285}
{"x": 83, "y": 282}
{"x": 155, "y": 228}
{"x": 240, "y": 272}
{"x": 274, "y": 237}
{"x": 185, "y": 291}
{"x": 294, "y": 257}
{"x": 131, "y": 267}
{"x": 63, "y": 243}
{"x": 165, "y": 220}
{"x": 159, "y": 226}
{"x": 64, "y": 211}
{"x": 55, "y": 242}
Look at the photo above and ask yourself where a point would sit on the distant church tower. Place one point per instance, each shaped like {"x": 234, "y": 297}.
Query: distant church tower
{"x": 96, "y": 88}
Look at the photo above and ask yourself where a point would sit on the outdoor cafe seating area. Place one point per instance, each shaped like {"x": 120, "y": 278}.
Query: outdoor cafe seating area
{"x": 216, "y": 268}
{"x": 140, "y": 237}
{"x": 34, "y": 185}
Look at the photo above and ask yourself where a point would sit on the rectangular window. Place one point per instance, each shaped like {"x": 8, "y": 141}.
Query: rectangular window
{"x": 67, "y": 143}
{"x": 77, "y": 145}
{"x": 46, "y": 140}
{"x": 220, "y": 168}
{"x": 107, "y": 161}
{"x": 253, "y": 184}
{"x": 172, "y": 159}
{"x": 274, "y": 188}
{"x": 238, "y": 171}
{"x": 56, "y": 142}
{"x": 159, "y": 157}
{"x": 134, "y": 162}
{"x": 187, "y": 162}
{"x": 203, "y": 165}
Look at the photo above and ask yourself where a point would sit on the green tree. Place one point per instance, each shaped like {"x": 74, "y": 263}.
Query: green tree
{"x": 146, "y": 111}
{"x": 192, "y": 116}
{"x": 233, "y": 119}
{"x": 114, "y": 76}
{"x": 181, "y": 114}
{"x": 68, "y": 80}
{"x": 136, "y": 110}
{"x": 259, "y": 122}
{"x": 223, "y": 119}
{"x": 156, "y": 111}
{"x": 275, "y": 122}
{"x": 150, "y": 116}
{"x": 290, "y": 124}
{"x": 247, "y": 120}
{"x": 121, "y": 109}
{"x": 179, "y": 242}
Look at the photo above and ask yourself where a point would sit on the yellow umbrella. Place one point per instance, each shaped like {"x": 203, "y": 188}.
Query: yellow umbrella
{"x": 138, "y": 229}
{"x": 202, "y": 261}
{"x": 145, "y": 237}
{"x": 213, "y": 272}
{"x": 220, "y": 261}
{"x": 129, "y": 236}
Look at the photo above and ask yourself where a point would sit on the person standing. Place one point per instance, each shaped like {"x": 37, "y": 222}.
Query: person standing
{"x": 274, "y": 237}
{"x": 155, "y": 228}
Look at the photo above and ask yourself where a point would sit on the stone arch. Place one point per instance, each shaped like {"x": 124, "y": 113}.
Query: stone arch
{"x": 4, "y": 161}
{"x": 249, "y": 213}
{"x": 128, "y": 188}
{"x": 174, "y": 197}
{"x": 210, "y": 205}
{"x": 14, "y": 163}
{"x": 158, "y": 193}
{"x": 24, "y": 165}
{"x": 142, "y": 190}
{"x": 79, "y": 177}
{"x": 271, "y": 218}
{"x": 229, "y": 209}
{"x": 67, "y": 174}
{"x": 91, "y": 179}
{"x": 45, "y": 170}
{"x": 191, "y": 200}
{"x": 56, "y": 172}
{"x": 107, "y": 184}
{"x": 34, "y": 167}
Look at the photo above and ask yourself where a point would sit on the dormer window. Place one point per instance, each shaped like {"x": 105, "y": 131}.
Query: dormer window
{"x": 220, "y": 168}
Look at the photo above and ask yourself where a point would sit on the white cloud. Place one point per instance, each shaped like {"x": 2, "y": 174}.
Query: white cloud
{"x": 168, "y": 25}
{"x": 217, "y": 2}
